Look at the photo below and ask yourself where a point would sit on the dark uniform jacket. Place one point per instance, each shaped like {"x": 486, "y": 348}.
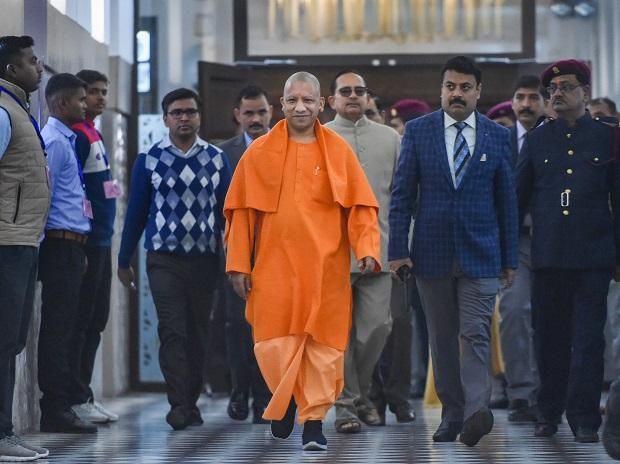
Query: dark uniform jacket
{"x": 570, "y": 179}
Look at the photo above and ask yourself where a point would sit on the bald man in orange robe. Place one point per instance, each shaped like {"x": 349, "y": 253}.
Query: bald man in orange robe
{"x": 298, "y": 203}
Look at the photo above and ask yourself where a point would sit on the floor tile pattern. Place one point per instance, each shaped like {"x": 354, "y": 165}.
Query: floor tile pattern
{"x": 142, "y": 436}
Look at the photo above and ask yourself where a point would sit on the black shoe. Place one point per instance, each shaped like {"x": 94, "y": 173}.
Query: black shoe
{"x": 238, "y": 406}
{"x": 380, "y": 406}
{"x": 65, "y": 422}
{"x": 476, "y": 426}
{"x": 403, "y": 412}
{"x": 177, "y": 418}
{"x": 499, "y": 403}
{"x": 257, "y": 415}
{"x": 370, "y": 416}
{"x": 284, "y": 427}
{"x": 611, "y": 434}
{"x": 195, "y": 418}
{"x": 545, "y": 429}
{"x": 312, "y": 438}
{"x": 521, "y": 411}
{"x": 585, "y": 435}
{"x": 447, "y": 431}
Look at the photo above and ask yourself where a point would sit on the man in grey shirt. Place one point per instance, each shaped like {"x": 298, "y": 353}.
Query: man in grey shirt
{"x": 377, "y": 148}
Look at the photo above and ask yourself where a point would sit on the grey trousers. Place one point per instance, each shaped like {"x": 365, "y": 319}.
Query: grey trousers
{"x": 516, "y": 333}
{"x": 458, "y": 313}
{"x": 371, "y": 326}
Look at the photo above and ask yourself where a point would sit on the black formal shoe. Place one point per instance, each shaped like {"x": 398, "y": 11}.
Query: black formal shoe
{"x": 238, "y": 406}
{"x": 586, "y": 435}
{"x": 380, "y": 406}
{"x": 447, "y": 431}
{"x": 284, "y": 427}
{"x": 177, "y": 418}
{"x": 194, "y": 418}
{"x": 476, "y": 426}
{"x": 65, "y": 422}
{"x": 403, "y": 412}
{"x": 257, "y": 415}
{"x": 611, "y": 434}
{"x": 545, "y": 429}
{"x": 521, "y": 412}
{"x": 499, "y": 403}
{"x": 312, "y": 438}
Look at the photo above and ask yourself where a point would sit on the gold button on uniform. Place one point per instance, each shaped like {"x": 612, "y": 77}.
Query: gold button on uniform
{"x": 596, "y": 160}
{"x": 565, "y": 212}
{"x": 571, "y": 152}
{"x": 568, "y": 136}
{"x": 569, "y": 171}
{"x": 567, "y": 190}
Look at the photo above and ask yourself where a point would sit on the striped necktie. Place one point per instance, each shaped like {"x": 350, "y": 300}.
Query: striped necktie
{"x": 461, "y": 153}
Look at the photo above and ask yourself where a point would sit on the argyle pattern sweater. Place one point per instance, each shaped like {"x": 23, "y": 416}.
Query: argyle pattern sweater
{"x": 177, "y": 201}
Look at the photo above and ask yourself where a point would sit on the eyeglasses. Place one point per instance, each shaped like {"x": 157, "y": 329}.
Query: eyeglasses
{"x": 563, "y": 88}
{"x": 177, "y": 114}
{"x": 347, "y": 91}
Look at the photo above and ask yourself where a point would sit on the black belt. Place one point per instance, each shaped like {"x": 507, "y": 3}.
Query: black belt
{"x": 66, "y": 234}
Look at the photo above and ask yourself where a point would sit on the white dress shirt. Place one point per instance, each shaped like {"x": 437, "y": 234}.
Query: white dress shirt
{"x": 469, "y": 132}
{"x": 521, "y": 131}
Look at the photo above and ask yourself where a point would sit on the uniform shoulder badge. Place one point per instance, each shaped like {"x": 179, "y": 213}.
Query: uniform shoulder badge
{"x": 608, "y": 121}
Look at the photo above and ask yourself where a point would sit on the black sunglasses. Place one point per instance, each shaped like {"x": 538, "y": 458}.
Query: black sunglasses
{"x": 347, "y": 91}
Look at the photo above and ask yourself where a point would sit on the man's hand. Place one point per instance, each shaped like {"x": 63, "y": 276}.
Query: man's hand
{"x": 397, "y": 264}
{"x": 127, "y": 277}
{"x": 242, "y": 283}
{"x": 367, "y": 265}
{"x": 617, "y": 274}
{"x": 508, "y": 277}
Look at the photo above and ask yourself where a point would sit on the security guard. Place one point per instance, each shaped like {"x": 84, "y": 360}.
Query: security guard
{"x": 569, "y": 178}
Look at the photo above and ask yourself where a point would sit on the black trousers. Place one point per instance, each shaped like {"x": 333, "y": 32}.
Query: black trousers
{"x": 391, "y": 380}
{"x": 182, "y": 289}
{"x": 61, "y": 269}
{"x": 570, "y": 308}
{"x": 245, "y": 374}
{"x": 94, "y": 309}
{"x": 18, "y": 273}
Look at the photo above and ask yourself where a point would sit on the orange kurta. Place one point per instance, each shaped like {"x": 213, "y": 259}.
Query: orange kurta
{"x": 293, "y": 212}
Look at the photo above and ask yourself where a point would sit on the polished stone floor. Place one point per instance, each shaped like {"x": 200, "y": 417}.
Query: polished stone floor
{"x": 142, "y": 436}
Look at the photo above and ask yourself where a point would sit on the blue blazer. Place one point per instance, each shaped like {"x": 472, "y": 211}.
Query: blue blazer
{"x": 476, "y": 224}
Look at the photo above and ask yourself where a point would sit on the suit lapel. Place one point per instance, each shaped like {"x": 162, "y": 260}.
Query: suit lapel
{"x": 440, "y": 143}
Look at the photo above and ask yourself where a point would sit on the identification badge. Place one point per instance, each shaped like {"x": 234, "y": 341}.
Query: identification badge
{"x": 88, "y": 208}
{"x": 112, "y": 189}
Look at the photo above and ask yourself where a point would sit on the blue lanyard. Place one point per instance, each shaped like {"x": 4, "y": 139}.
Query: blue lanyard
{"x": 34, "y": 122}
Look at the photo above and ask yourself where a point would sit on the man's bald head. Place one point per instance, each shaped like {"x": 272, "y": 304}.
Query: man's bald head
{"x": 303, "y": 76}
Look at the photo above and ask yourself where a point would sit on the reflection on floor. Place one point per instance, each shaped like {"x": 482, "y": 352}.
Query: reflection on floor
{"x": 142, "y": 436}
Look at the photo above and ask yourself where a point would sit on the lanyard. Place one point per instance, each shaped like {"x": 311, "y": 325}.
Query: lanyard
{"x": 33, "y": 121}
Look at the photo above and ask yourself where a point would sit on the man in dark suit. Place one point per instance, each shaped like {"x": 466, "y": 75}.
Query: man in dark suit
{"x": 569, "y": 178}
{"x": 253, "y": 113}
{"x": 515, "y": 302}
{"x": 455, "y": 176}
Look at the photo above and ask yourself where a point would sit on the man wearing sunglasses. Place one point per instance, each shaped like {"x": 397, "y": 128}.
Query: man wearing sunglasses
{"x": 177, "y": 195}
{"x": 570, "y": 180}
{"x": 377, "y": 147}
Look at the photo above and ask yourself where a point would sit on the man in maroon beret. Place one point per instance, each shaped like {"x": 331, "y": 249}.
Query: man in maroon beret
{"x": 570, "y": 182}
{"x": 404, "y": 111}
{"x": 502, "y": 114}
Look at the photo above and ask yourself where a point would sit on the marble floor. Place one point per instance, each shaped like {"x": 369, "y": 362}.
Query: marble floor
{"x": 142, "y": 436}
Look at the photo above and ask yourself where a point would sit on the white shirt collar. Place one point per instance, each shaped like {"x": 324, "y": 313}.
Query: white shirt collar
{"x": 167, "y": 143}
{"x": 521, "y": 131}
{"x": 450, "y": 121}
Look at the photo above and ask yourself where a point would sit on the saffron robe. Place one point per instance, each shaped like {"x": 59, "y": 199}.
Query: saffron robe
{"x": 291, "y": 225}
{"x": 293, "y": 213}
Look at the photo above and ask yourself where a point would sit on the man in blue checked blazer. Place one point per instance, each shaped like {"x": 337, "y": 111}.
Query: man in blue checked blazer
{"x": 454, "y": 177}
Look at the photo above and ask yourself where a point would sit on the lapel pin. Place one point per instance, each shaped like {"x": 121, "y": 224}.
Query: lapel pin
{"x": 483, "y": 157}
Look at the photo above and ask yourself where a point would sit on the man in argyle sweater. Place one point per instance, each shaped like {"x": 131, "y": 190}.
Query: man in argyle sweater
{"x": 176, "y": 198}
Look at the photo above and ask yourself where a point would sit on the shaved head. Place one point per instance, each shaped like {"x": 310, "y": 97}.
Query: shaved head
{"x": 303, "y": 76}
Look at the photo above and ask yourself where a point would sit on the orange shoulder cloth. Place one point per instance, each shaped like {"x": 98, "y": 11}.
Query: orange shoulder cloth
{"x": 257, "y": 180}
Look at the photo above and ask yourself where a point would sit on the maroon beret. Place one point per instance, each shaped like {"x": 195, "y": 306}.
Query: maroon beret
{"x": 559, "y": 68}
{"x": 501, "y": 109}
{"x": 408, "y": 109}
